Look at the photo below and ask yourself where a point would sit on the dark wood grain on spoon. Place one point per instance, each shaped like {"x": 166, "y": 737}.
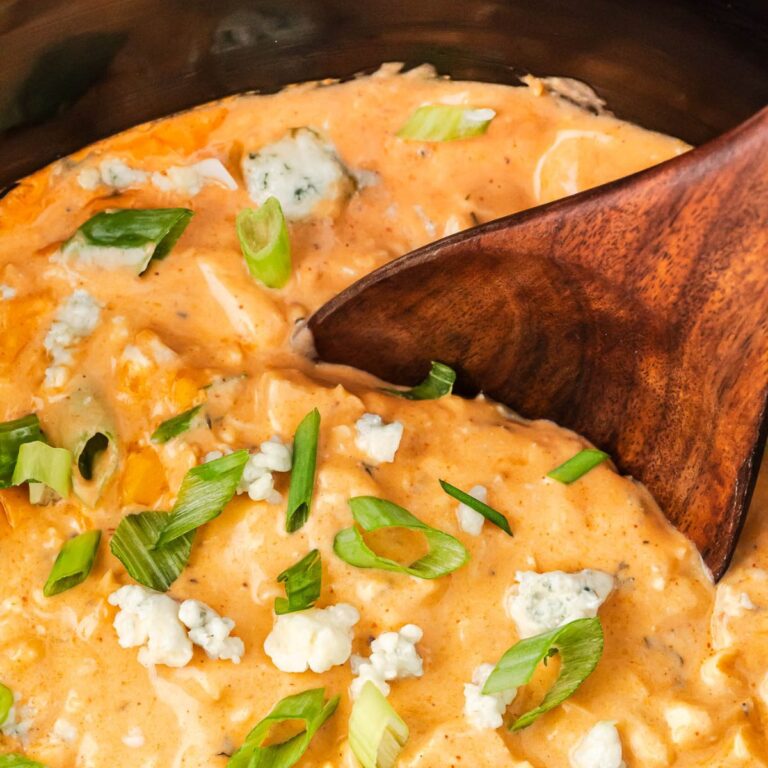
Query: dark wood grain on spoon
{"x": 635, "y": 313}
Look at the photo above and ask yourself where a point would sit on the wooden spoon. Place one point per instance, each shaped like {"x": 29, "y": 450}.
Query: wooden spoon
{"x": 635, "y": 313}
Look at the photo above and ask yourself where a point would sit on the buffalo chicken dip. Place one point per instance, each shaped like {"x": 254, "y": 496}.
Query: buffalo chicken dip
{"x": 216, "y": 552}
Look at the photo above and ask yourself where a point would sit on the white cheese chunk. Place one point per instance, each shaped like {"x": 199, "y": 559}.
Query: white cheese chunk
{"x": 600, "y": 748}
{"x": 7, "y": 292}
{"x": 112, "y": 172}
{"x": 541, "y": 602}
{"x": 485, "y": 711}
{"x": 470, "y": 521}
{"x": 75, "y": 319}
{"x": 187, "y": 180}
{"x": 316, "y": 639}
{"x": 687, "y": 724}
{"x": 134, "y": 738}
{"x": 157, "y": 622}
{"x": 64, "y": 731}
{"x": 377, "y": 440}
{"x": 393, "y": 656}
{"x": 300, "y": 170}
{"x": 211, "y": 631}
{"x": 151, "y": 620}
{"x": 257, "y": 480}
{"x": 190, "y": 179}
{"x": 18, "y": 722}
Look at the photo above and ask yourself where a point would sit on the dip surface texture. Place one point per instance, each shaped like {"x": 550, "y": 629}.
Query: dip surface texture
{"x": 683, "y": 673}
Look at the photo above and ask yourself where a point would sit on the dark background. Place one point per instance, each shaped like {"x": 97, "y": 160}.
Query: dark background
{"x": 72, "y": 71}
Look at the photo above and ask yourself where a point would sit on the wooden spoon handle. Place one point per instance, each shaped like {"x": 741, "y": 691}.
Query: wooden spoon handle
{"x": 635, "y": 313}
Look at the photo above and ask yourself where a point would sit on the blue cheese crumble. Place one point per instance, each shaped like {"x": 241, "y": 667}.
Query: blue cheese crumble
{"x": 600, "y": 748}
{"x": 377, "y": 440}
{"x": 485, "y": 711}
{"x": 75, "y": 320}
{"x": 301, "y": 170}
{"x": 393, "y": 656}
{"x": 541, "y": 602}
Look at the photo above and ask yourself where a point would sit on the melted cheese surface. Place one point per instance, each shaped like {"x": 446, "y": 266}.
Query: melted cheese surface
{"x": 683, "y": 674}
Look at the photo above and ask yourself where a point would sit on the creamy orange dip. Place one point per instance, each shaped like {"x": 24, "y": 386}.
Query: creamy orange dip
{"x": 682, "y": 677}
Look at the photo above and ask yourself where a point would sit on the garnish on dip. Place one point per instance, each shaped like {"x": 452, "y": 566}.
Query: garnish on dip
{"x": 264, "y": 242}
{"x": 176, "y": 425}
{"x": 302, "y": 584}
{"x": 205, "y": 491}
{"x": 580, "y": 646}
{"x": 446, "y": 122}
{"x": 489, "y": 513}
{"x": 13, "y": 434}
{"x": 377, "y": 734}
{"x": 73, "y": 563}
{"x": 134, "y": 544}
{"x": 446, "y": 554}
{"x": 309, "y": 707}
{"x": 303, "y": 471}
{"x": 127, "y": 237}
{"x": 578, "y": 466}
{"x": 6, "y": 702}
{"x": 154, "y": 546}
{"x": 439, "y": 382}
{"x": 40, "y": 464}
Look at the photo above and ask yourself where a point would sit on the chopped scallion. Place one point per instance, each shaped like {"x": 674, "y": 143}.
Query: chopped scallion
{"x": 302, "y": 584}
{"x": 205, "y": 491}
{"x": 156, "y": 230}
{"x": 264, "y": 242}
{"x": 176, "y": 425}
{"x": 14, "y": 760}
{"x": 134, "y": 544}
{"x": 6, "y": 702}
{"x": 446, "y": 122}
{"x": 580, "y": 645}
{"x": 445, "y": 554}
{"x": 578, "y": 466}
{"x": 82, "y": 424}
{"x": 489, "y": 513}
{"x": 439, "y": 382}
{"x": 377, "y": 734}
{"x": 308, "y": 707}
{"x": 41, "y": 463}
{"x": 302, "y": 486}
{"x": 73, "y": 563}
{"x": 14, "y": 434}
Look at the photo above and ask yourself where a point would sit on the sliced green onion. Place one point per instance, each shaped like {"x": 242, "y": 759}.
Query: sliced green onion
{"x": 445, "y": 554}
{"x": 309, "y": 707}
{"x": 377, "y": 734}
{"x": 302, "y": 584}
{"x": 13, "y": 434}
{"x": 580, "y": 645}
{"x": 6, "y": 702}
{"x": 156, "y": 230}
{"x": 73, "y": 563}
{"x": 134, "y": 544}
{"x": 15, "y": 760}
{"x": 205, "y": 491}
{"x": 264, "y": 242}
{"x": 81, "y": 423}
{"x": 174, "y": 426}
{"x": 439, "y": 382}
{"x": 446, "y": 122}
{"x": 578, "y": 466}
{"x": 303, "y": 472}
{"x": 41, "y": 463}
{"x": 489, "y": 513}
